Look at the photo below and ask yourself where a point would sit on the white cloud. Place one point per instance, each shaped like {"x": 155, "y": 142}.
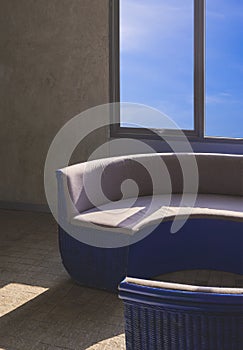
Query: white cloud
{"x": 216, "y": 15}
{"x": 221, "y": 97}
{"x": 144, "y": 24}
{"x": 225, "y": 10}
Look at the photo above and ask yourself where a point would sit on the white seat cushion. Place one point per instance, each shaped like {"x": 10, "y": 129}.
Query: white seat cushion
{"x": 184, "y": 287}
{"x": 131, "y": 215}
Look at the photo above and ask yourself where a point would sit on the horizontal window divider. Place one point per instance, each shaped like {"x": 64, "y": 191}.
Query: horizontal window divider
{"x": 124, "y": 132}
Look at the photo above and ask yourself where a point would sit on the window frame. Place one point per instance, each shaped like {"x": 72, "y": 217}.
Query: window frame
{"x": 198, "y": 133}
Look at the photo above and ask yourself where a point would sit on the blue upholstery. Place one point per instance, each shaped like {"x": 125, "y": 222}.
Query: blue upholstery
{"x": 201, "y": 243}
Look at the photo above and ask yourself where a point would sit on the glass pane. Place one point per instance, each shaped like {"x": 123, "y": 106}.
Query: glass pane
{"x": 224, "y": 68}
{"x": 156, "y": 58}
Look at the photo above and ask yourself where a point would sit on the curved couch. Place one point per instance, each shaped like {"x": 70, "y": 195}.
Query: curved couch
{"x": 210, "y": 238}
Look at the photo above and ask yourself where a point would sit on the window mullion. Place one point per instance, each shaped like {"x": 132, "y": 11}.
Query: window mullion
{"x": 199, "y": 67}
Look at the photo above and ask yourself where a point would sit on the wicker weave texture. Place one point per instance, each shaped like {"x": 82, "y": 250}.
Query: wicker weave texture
{"x": 149, "y": 328}
{"x": 92, "y": 266}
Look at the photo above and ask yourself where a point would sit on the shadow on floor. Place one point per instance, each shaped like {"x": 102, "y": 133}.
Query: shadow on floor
{"x": 41, "y": 307}
{"x": 66, "y": 316}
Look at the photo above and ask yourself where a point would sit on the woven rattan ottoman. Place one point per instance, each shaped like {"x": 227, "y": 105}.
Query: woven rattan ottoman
{"x": 164, "y": 315}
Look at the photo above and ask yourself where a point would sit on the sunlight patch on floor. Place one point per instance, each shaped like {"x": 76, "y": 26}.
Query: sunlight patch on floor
{"x": 14, "y": 295}
{"x": 109, "y": 344}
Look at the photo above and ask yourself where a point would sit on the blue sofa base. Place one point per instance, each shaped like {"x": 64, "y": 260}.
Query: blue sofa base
{"x": 200, "y": 244}
{"x": 94, "y": 267}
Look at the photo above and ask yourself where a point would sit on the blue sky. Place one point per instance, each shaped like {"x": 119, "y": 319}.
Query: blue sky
{"x": 157, "y": 61}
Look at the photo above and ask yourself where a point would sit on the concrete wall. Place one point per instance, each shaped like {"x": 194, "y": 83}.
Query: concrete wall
{"x": 53, "y": 65}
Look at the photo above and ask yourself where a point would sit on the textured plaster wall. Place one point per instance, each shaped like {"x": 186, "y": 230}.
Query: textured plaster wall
{"x": 53, "y": 65}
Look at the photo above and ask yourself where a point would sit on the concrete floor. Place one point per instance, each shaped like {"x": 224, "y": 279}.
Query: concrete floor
{"x": 40, "y": 307}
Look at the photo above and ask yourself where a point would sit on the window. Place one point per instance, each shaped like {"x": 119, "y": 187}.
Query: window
{"x": 184, "y": 58}
{"x": 224, "y": 68}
